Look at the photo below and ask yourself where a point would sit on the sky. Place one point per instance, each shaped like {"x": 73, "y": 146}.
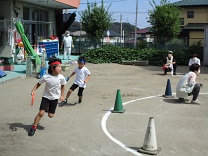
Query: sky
{"x": 125, "y": 9}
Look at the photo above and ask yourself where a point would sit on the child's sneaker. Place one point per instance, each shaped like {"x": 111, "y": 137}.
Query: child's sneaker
{"x": 80, "y": 100}
{"x": 195, "y": 102}
{"x": 184, "y": 100}
{"x": 31, "y": 132}
{"x": 64, "y": 102}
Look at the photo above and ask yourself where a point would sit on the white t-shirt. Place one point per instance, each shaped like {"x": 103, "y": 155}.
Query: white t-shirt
{"x": 194, "y": 60}
{"x": 52, "y": 89}
{"x": 81, "y": 75}
{"x": 67, "y": 41}
{"x": 185, "y": 85}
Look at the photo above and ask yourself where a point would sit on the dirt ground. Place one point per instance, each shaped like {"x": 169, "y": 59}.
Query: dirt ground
{"x": 76, "y": 128}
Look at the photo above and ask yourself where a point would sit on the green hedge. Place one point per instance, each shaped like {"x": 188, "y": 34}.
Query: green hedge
{"x": 112, "y": 54}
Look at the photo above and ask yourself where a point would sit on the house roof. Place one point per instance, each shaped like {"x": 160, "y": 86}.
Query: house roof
{"x": 130, "y": 41}
{"x": 78, "y": 33}
{"x": 191, "y": 3}
{"x": 113, "y": 33}
{"x": 141, "y": 31}
{"x": 195, "y": 26}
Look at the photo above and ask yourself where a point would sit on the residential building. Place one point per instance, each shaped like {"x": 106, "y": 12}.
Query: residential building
{"x": 113, "y": 37}
{"x": 142, "y": 34}
{"x": 193, "y": 18}
{"x": 78, "y": 33}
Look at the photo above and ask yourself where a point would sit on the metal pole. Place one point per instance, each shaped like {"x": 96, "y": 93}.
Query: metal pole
{"x": 135, "y": 34}
{"x": 121, "y": 28}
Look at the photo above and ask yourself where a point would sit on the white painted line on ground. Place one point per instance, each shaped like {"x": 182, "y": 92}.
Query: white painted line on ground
{"x": 103, "y": 124}
{"x": 104, "y": 128}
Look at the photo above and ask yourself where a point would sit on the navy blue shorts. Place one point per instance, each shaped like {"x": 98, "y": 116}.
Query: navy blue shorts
{"x": 48, "y": 105}
{"x": 80, "y": 91}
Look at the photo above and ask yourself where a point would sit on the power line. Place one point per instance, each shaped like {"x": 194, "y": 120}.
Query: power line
{"x": 120, "y": 12}
{"x": 105, "y": 2}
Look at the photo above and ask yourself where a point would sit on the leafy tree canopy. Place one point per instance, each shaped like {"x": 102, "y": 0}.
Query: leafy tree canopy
{"x": 95, "y": 20}
{"x": 164, "y": 19}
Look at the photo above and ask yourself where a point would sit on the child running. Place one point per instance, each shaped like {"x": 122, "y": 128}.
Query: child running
{"x": 82, "y": 77}
{"x": 54, "y": 90}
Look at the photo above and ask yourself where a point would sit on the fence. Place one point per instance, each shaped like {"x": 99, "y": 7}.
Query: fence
{"x": 84, "y": 44}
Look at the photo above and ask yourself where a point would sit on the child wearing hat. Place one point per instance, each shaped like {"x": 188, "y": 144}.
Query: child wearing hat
{"x": 169, "y": 64}
{"x": 82, "y": 77}
{"x": 54, "y": 90}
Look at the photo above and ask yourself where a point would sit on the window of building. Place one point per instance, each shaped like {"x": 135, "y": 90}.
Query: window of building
{"x": 181, "y": 21}
{"x": 190, "y": 14}
{"x": 36, "y": 23}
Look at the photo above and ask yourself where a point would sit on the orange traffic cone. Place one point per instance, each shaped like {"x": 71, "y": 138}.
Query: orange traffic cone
{"x": 150, "y": 142}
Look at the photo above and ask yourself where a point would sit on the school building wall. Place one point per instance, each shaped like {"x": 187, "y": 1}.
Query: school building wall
{"x": 5, "y": 13}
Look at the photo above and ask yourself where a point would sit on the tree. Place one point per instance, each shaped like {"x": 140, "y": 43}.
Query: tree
{"x": 96, "y": 20}
{"x": 76, "y": 26}
{"x": 164, "y": 19}
{"x": 127, "y": 27}
{"x": 142, "y": 44}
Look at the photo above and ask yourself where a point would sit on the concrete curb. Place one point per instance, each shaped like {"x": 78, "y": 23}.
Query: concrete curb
{"x": 13, "y": 79}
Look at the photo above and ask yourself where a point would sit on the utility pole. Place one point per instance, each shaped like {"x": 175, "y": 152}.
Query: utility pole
{"x": 121, "y": 28}
{"x": 135, "y": 33}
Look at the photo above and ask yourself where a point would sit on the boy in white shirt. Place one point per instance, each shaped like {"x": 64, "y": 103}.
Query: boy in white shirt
{"x": 169, "y": 64}
{"x": 82, "y": 77}
{"x": 54, "y": 90}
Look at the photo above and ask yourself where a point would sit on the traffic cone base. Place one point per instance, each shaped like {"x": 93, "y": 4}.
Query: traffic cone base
{"x": 168, "y": 96}
{"x": 155, "y": 152}
{"x": 121, "y": 111}
{"x": 118, "y": 107}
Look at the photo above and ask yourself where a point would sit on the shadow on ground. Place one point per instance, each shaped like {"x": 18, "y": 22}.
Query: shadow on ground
{"x": 134, "y": 148}
{"x": 67, "y": 104}
{"x": 176, "y": 101}
{"x": 15, "y": 126}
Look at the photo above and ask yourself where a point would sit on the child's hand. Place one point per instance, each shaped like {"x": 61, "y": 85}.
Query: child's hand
{"x": 85, "y": 81}
{"x": 32, "y": 93}
{"x": 67, "y": 79}
{"x": 62, "y": 98}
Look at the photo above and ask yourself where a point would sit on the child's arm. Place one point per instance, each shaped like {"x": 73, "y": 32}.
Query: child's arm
{"x": 62, "y": 93}
{"x": 35, "y": 88}
{"x": 87, "y": 79}
{"x": 71, "y": 75}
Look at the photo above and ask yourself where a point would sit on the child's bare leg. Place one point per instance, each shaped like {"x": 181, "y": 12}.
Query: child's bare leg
{"x": 38, "y": 117}
{"x": 36, "y": 121}
{"x": 50, "y": 115}
{"x": 67, "y": 96}
{"x": 69, "y": 93}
